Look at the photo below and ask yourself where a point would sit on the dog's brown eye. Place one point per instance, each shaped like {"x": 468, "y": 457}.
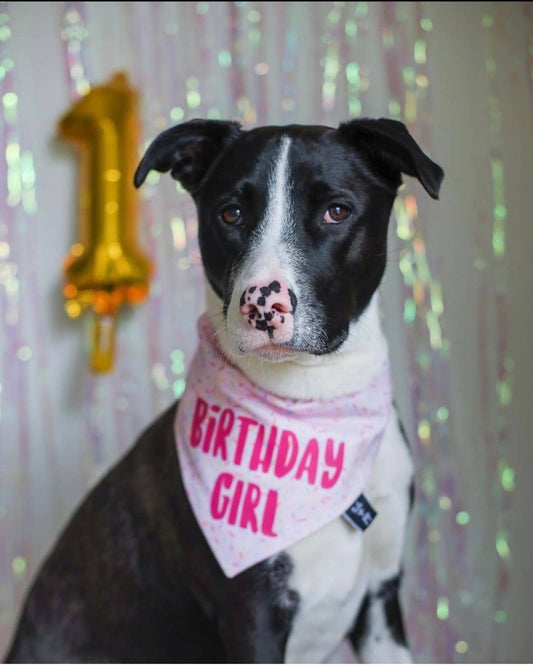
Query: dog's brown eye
{"x": 335, "y": 214}
{"x": 232, "y": 214}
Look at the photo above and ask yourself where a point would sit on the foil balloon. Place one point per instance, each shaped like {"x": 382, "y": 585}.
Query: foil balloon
{"x": 105, "y": 268}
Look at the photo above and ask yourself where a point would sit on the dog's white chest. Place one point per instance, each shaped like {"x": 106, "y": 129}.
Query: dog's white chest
{"x": 337, "y": 565}
{"x": 329, "y": 594}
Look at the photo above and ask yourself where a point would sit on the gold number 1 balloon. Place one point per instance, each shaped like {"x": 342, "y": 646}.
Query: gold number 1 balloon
{"x": 105, "y": 269}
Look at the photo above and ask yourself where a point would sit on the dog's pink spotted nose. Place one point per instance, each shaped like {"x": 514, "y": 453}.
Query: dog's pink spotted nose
{"x": 270, "y": 308}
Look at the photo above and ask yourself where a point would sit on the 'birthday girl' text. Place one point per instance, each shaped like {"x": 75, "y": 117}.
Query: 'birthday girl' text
{"x": 277, "y": 453}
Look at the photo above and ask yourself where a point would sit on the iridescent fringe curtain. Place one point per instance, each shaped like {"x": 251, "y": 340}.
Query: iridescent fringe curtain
{"x": 273, "y": 63}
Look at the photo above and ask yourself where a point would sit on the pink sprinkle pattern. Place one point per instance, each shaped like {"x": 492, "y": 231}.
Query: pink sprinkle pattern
{"x": 261, "y": 471}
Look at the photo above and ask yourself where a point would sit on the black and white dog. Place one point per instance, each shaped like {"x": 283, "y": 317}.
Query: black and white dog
{"x": 293, "y": 236}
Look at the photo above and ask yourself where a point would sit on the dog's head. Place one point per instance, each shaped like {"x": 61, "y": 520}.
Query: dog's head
{"x": 292, "y": 222}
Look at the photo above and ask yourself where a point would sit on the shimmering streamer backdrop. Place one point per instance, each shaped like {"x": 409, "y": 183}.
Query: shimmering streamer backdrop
{"x": 456, "y": 294}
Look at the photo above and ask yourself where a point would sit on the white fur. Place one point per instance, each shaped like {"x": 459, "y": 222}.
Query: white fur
{"x": 352, "y": 562}
{"x": 328, "y": 577}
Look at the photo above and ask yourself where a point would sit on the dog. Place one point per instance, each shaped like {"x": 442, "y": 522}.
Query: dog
{"x": 166, "y": 561}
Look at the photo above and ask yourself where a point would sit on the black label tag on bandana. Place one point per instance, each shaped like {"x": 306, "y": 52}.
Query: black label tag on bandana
{"x": 360, "y": 514}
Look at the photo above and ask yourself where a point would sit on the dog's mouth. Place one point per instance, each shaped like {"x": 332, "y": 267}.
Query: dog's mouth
{"x": 279, "y": 352}
{"x": 272, "y": 352}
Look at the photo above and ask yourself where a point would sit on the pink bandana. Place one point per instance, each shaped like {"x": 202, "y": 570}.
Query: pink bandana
{"x": 261, "y": 471}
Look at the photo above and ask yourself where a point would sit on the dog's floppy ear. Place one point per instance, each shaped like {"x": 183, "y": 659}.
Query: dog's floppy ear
{"x": 187, "y": 151}
{"x": 389, "y": 142}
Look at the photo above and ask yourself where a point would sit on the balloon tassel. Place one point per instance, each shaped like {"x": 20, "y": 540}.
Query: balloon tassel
{"x": 103, "y": 351}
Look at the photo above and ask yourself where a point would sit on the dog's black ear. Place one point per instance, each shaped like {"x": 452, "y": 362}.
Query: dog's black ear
{"x": 389, "y": 142}
{"x": 187, "y": 151}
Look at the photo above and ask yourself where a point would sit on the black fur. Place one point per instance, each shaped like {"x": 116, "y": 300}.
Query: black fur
{"x": 360, "y": 628}
{"x": 132, "y": 579}
{"x": 389, "y": 594}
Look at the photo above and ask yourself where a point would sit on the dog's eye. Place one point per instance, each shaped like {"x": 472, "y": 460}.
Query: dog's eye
{"x": 231, "y": 214}
{"x": 336, "y": 213}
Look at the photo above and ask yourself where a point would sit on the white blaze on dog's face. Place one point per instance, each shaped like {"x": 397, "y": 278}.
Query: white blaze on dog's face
{"x": 292, "y": 225}
{"x": 268, "y": 308}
